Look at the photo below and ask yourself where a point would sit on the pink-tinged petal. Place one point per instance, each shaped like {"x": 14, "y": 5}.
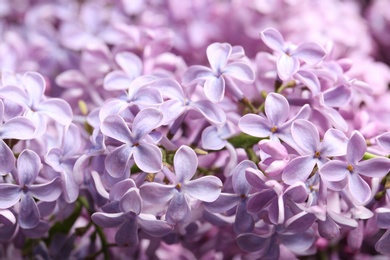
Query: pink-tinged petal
{"x": 287, "y": 66}
{"x": 240, "y": 71}
{"x": 196, "y": 73}
{"x": 7, "y": 159}
{"x": 218, "y": 55}
{"x": 306, "y": 136}
{"x": 35, "y": 86}
{"x": 116, "y": 80}
{"x": 178, "y": 209}
{"x": 185, "y": 163}
{"x": 212, "y": 112}
{"x": 240, "y": 183}
{"x": 145, "y": 121}
{"x": 273, "y": 39}
{"x": 57, "y": 109}
{"x": 29, "y": 215}
{"x": 17, "y": 128}
{"x": 48, "y": 192}
{"x": 156, "y": 193}
{"x": 207, "y": 188}
{"x": 153, "y": 226}
{"x": 15, "y": 94}
{"x": 276, "y": 108}
{"x": 223, "y": 203}
{"x": 9, "y": 195}
{"x": 356, "y": 148}
{"x": 108, "y": 220}
{"x": 311, "y": 53}
{"x": 260, "y": 200}
{"x": 334, "y": 171}
{"x": 115, "y": 127}
{"x": 384, "y": 140}
{"x": 338, "y": 96}
{"x": 255, "y": 125}
{"x": 131, "y": 201}
{"x": 334, "y": 143}
{"x": 148, "y": 157}
{"x": 29, "y": 165}
{"x": 375, "y": 167}
{"x": 359, "y": 189}
{"x": 383, "y": 218}
{"x": 71, "y": 79}
{"x": 214, "y": 89}
{"x": 250, "y": 242}
{"x": 117, "y": 162}
{"x": 211, "y": 139}
{"x": 129, "y": 63}
{"x": 298, "y": 243}
{"x": 298, "y": 169}
{"x": 127, "y": 234}
{"x": 382, "y": 246}
{"x": 309, "y": 79}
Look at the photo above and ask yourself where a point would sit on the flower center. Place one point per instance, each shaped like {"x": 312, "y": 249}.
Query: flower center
{"x": 317, "y": 154}
{"x": 273, "y": 129}
{"x": 178, "y": 186}
{"x": 350, "y": 168}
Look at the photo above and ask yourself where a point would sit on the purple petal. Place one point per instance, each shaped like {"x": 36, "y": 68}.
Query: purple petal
{"x": 298, "y": 243}
{"x": 256, "y": 178}
{"x": 356, "y": 147}
{"x": 240, "y": 183}
{"x": 311, "y": 53}
{"x": 218, "y": 55}
{"x": 131, "y": 201}
{"x": 178, "y": 210}
{"x": 384, "y": 140}
{"x": 214, "y": 89}
{"x": 48, "y": 192}
{"x": 71, "y": 79}
{"x": 334, "y": 171}
{"x": 148, "y": 157}
{"x": 29, "y": 165}
{"x": 342, "y": 220}
{"x": 147, "y": 97}
{"x": 171, "y": 110}
{"x": 130, "y": 63}
{"x": 383, "y": 218}
{"x": 69, "y": 186}
{"x": 306, "y": 136}
{"x": 273, "y": 39}
{"x": 9, "y": 195}
{"x": 255, "y": 125}
{"x": 375, "y": 167}
{"x": 116, "y": 80}
{"x": 117, "y": 162}
{"x": 223, "y": 203}
{"x": 7, "y": 159}
{"x": 72, "y": 137}
{"x": 250, "y": 242}
{"x": 7, "y": 217}
{"x": 359, "y": 189}
{"x": 97, "y": 181}
{"x": 334, "y": 143}
{"x": 328, "y": 228}
{"x": 196, "y": 73}
{"x": 382, "y": 246}
{"x": 108, "y": 220}
{"x": 309, "y": 79}
{"x": 300, "y": 222}
{"x": 287, "y": 66}
{"x": 15, "y": 94}
{"x": 211, "y": 139}
{"x": 297, "y": 192}
{"x": 120, "y": 188}
{"x": 145, "y": 121}
{"x": 210, "y": 111}
{"x": 127, "y": 234}
{"x": 185, "y": 163}
{"x": 240, "y": 71}
{"x": 17, "y": 128}
{"x": 260, "y": 200}
{"x": 154, "y": 227}
{"x": 29, "y": 215}
{"x": 170, "y": 88}
{"x": 244, "y": 221}
{"x": 156, "y": 193}
{"x": 206, "y": 188}
{"x": 35, "y": 85}
{"x": 298, "y": 169}
{"x": 115, "y": 127}
{"x": 277, "y": 109}
{"x": 57, "y": 109}
{"x": 338, "y": 96}
{"x": 112, "y": 107}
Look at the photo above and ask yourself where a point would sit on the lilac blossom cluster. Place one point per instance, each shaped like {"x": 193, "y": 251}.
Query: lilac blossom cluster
{"x": 194, "y": 129}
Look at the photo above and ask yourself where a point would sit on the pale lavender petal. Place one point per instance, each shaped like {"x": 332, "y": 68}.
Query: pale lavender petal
{"x": 9, "y": 195}
{"x": 170, "y": 88}
{"x": 383, "y": 217}
{"x": 298, "y": 243}
{"x": 256, "y": 178}
{"x": 298, "y": 169}
{"x": 178, "y": 210}
{"x": 255, "y": 125}
{"x": 276, "y": 211}
{"x": 240, "y": 71}
{"x": 116, "y": 80}
{"x": 148, "y": 157}
{"x": 69, "y": 186}
{"x": 309, "y": 79}
{"x": 297, "y": 192}
{"x": 328, "y": 228}
{"x": 240, "y": 183}
{"x": 334, "y": 171}
{"x": 273, "y": 39}
{"x": 276, "y": 108}
{"x": 115, "y": 127}
{"x": 250, "y": 242}
{"x": 130, "y": 63}
{"x": 112, "y": 107}
{"x": 29, "y": 215}
{"x": 117, "y": 162}
{"x": 196, "y": 73}
{"x": 153, "y": 226}
{"x": 210, "y": 111}
{"x": 382, "y": 246}
{"x": 71, "y": 79}
{"x": 120, "y": 188}
{"x": 223, "y": 203}
{"x": 338, "y": 96}
{"x": 35, "y": 86}
{"x": 260, "y": 200}
{"x": 99, "y": 185}
{"x": 359, "y": 189}
{"x": 57, "y": 109}
{"x": 306, "y": 135}
{"x": 131, "y": 201}
{"x": 311, "y": 53}
{"x": 342, "y": 220}
{"x": 287, "y": 66}
{"x": 145, "y": 121}
{"x": 17, "y": 128}
{"x": 218, "y": 55}
{"x": 375, "y": 167}
{"x": 356, "y": 148}
{"x": 244, "y": 221}
{"x": 211, "y": 139}
{"x": 147, "y": 97}
{"x": 71, "y": 140}
{"x": 206, "y": 188}
{"x": 185, "y": 163}
{"x": 48, "y": 191}
{"x": 7, "y": 159}
{"x": 127, "y": 234}
{"x": 300, "y": 222}
{"x": 156, "y": 193}
{"x": 171, "y": 110}
{"x": 29, "y": 165}
{"x": 15, "y": 94}
{"x": 334, "y": 143}
{"x": 108, "y": 220}
{"x": 384, "y": 140}
{"x": 214, "y": 89}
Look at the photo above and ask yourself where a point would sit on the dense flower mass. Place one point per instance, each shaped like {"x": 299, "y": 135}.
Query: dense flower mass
{"x": 194, "y": 129}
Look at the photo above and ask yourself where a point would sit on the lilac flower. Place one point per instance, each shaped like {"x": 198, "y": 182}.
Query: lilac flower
{"x": 218, "y": 55}
{"x": 312, "y": 151}
{"x": 147, "y": 156}
{"x": 289, "y": 61}
{"x": 207, "y": 188}
{"x": 273, "y": 157}
{"x": 383, "y": 221}
{"x": 28, "y": 167}
{"x": 348, "y": 172}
